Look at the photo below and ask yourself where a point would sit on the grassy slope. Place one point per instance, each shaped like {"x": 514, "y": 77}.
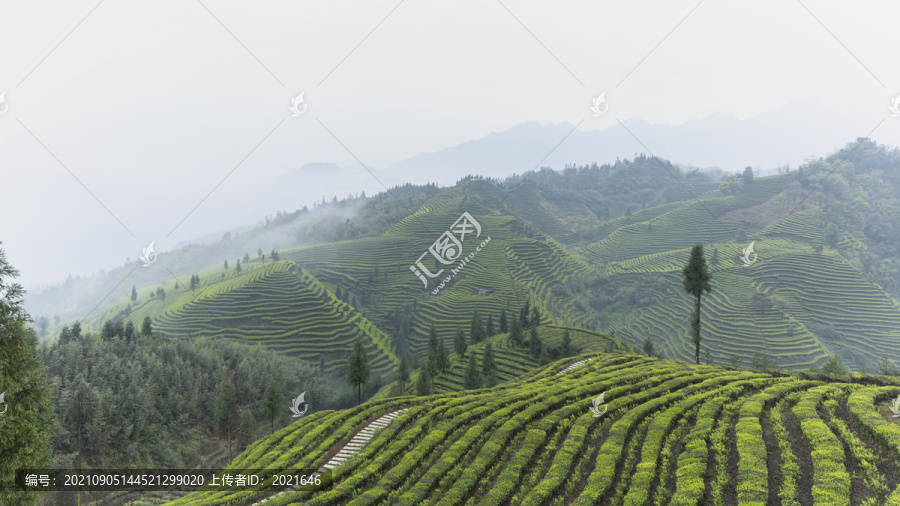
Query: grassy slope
{"x": 534, "y": 441}
{"x": 276, "y": 304}
{"x": 526, "y": 260}
{"x": 821, "y": 289}
{"x": 514, "y": 362}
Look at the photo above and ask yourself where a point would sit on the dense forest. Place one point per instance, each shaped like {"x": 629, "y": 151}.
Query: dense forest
{"x": 138, "y": 400}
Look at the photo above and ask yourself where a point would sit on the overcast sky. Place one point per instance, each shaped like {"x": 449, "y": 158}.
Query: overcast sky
{"x": 124, "y": 115}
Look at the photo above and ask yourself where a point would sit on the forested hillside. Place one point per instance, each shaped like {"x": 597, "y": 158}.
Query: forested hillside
{"x": 668, "y": 433}
{"x": 598, "y": 247}
{"x": 151, "y": 401}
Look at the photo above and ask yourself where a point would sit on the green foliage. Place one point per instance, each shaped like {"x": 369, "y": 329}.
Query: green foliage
{"x": 763, "y": 362}
{"x": 423, "y": 381}
{"x": 459, "y": 343}
{"x": 696, "y": 281}
{"x": 887, "y": 367}
{"x": 534, "y": 342}
{"x": 152, "y": 403}
{"x": 271, "y": 401}
{"x": 566, "y": 350}
{"x": 476, "y": 329}
{"x": 27, "y": 423}
{"x": 648, "y": 347}
{"x": 515, "y": 333}
{"x": 226, "y": 415}
{"x": 473, "y": 375}
{"x": 489, "y": 366}
{"x": 834, "y": 366}
{"x": 358, "y": 368}
{"x": 534, "y": 441}
{"x": 747, "y": 175}
{"x": 402, "y": 374}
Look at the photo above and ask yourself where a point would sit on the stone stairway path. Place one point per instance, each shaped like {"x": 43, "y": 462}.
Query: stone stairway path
{"x": 352, "y": 448}
{"x": 574, "y": 365}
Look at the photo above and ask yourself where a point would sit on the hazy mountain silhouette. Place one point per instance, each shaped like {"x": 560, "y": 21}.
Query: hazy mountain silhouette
{"x": 812, "y": 126}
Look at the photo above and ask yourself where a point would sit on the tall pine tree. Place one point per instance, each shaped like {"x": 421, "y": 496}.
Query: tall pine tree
{"x": 515, "y": 333}
{"x": 489, "y": 366}
{"x": 459, "y": 343}
{"x": 423, "y": 382}
{"x": 358, "y": 369}
{"x": 696, "y": 281}
{"x": 402, "y": 374}
{"x": 534, "y": 342}
{"x": 476, "y": 329}
{"x": 271, "y": 401}
{"x": 472, "y": 379}
{"x": 226, "y": 412}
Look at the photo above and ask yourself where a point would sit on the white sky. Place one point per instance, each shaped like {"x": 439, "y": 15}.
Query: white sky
{"x": 151, "y": 104}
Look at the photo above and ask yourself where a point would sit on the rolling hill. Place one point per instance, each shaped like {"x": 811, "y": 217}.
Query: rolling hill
{"x": 598, "y": 247}
{"x": 277, "y": 305}
{"x": 668, "y": 433}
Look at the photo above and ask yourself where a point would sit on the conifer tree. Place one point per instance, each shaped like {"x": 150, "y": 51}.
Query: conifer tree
{"x": 108, "y": 331}
{"x": 489, "y": 328}
{"x": 489, "y": 366}
{"x": 472, "y": 378}
{"x": 515, "y": 333}
{"x": 271, "y": 401}
{"x": 432, "y": 367}
{"x": 534, "y": 342}
{"x": 245, "y": 429}
{"x": 403, "y": 336}
{"x": 504, "y": 328}
{"x": 129, "y": 331}
{"x": 566, "y": 349}
{"x": 226, "y": 412}
{"x": 29, "y": 418}
{"x": 459, "y": 344}
{"x": 432, "y": 354}
{"x": 423, "y": 382}
{"x": 476, "y": 329}
{"x": 146, "y": 326}
{"x": 535, "y": 319}
{"x": 696, "y": 281}
{"x": 79, "y": 408}
{"x": 402, "y": 374}
{"x": 65, "y": 335}
{"x": 524, "y": 314}
{"x": 443, "y": 356}
{"x": 133, "y": 293}
{"x": 358, "y": 369}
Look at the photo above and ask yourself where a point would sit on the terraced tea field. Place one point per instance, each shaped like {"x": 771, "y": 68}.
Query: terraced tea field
{"x": 671, "y": 433}
{"x": 516, "y": 362}
{"x": 513, "y": 362}
{"x": 818, "y": 290}
{"x": 277, "y": 305}
{"x": 532, "y": 256}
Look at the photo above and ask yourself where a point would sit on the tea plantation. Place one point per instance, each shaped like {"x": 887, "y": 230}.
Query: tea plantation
{"x": 277, "y": 305}
{"x": 671, "y": 433}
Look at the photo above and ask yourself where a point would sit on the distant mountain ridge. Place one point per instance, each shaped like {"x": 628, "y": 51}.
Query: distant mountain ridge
{"x": 814, "y": 126}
